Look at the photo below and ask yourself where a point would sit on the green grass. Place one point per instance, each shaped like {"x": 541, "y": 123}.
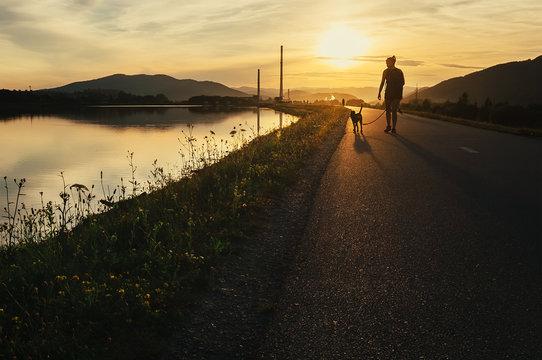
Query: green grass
{"x": 111, "y": 286}
{"x": 479, "y": 124}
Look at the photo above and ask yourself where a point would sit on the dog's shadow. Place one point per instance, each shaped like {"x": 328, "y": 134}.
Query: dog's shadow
{"x": 361, "y": 144}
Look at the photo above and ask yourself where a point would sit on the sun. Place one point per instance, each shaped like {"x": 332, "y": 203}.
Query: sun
{"x": 341, "y": 44}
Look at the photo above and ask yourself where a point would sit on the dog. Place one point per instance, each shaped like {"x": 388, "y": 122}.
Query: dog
{"x": 357, "y": 120}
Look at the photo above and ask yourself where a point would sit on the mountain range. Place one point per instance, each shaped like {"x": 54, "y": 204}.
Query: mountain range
{"x": 174, "y": 89}
{"x": 517, "y": 82}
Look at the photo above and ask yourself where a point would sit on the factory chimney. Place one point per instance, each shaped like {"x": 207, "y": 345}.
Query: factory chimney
{"x": 258, "y": 96}
{"x": 281, "y": 89}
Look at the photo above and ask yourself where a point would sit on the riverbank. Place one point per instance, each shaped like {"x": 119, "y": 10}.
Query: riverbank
{"x": 115, "y": 284}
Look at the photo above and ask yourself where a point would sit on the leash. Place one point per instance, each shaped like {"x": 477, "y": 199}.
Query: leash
{"x": 375, "y": 119}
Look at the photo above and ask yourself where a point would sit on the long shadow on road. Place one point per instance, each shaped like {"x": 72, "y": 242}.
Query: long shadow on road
{"x": 362, "y": 145}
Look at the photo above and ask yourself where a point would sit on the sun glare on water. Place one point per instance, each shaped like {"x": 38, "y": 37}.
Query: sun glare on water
{"x": 341, "y": 45}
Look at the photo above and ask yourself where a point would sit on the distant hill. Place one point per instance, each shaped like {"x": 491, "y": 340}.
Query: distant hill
{"x": 265, "y": 93}
{"x": 327, "y": 96}
{"x": 174, "y": 89}
{"x": 515, "y": 83}
{"x": 368, "y": 94}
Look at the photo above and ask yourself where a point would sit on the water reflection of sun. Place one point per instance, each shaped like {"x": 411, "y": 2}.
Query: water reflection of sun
{"x": 341, "y": 44}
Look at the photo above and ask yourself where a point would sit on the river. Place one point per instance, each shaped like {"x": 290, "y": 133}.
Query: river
{"x": 95, "y": 146}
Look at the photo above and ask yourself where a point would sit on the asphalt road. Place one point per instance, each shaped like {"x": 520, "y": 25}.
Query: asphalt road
{"x": 421, "y": 245}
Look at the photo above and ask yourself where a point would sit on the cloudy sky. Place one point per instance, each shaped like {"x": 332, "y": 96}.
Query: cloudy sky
{"x": 339, "y": 43}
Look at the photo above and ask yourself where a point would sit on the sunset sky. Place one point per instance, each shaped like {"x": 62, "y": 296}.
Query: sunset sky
{"x": 49, "y": 43}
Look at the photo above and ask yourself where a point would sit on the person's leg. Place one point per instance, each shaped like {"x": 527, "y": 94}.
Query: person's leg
{"x": 388, "y": 104}
{"x": 394, "y": 106}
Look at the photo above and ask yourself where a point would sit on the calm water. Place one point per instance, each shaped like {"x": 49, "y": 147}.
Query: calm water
{"x": 81, "y": 145}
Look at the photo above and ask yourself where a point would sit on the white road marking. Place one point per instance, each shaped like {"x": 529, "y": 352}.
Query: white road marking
{"x": 469, "y": 150}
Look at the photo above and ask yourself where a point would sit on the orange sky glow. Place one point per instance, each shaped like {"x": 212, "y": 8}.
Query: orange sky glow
{"x": 326, "y": 43}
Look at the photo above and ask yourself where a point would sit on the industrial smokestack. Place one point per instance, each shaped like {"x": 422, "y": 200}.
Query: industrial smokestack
{"x": 258, "y": 99}
{"x": 280, "y": 94}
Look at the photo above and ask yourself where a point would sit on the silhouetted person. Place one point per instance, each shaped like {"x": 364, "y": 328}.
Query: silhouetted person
{"x": 394, "y": 79}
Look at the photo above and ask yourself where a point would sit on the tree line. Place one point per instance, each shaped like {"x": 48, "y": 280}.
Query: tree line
{"x": 501, "y": 113}
{"x": 45, "y": 98}
{"x": 16, "y": 101}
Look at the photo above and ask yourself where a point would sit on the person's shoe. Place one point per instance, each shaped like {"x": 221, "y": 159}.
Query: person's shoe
{"x": 393, "y": 131}
{"x": 388, "y": 128}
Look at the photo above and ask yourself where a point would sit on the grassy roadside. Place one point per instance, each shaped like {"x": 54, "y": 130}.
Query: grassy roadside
{"x": 478, "y": 124}
{"x": 110, "y": 287}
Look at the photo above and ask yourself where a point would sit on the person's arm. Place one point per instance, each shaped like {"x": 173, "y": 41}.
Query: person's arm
{"x": 381, "y": 84}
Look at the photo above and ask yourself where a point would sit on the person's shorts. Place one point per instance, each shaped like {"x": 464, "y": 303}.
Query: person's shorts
{"x": 392, "y": 104}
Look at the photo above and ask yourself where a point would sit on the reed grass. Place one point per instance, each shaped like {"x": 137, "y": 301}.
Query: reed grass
{"x": 110, "y": 285}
